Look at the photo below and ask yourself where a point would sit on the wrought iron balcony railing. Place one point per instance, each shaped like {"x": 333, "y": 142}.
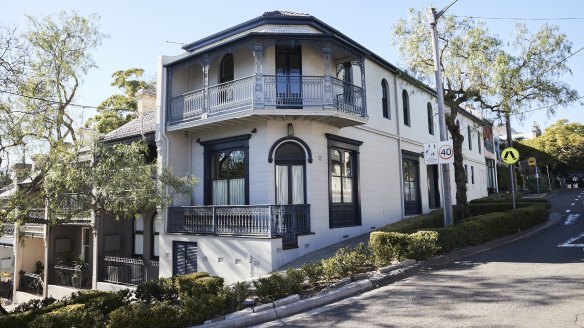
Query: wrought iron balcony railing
{"x": 268, "y": 91}
{"x": 69, "y": 276}
{"x": 127, "y": 270}
{"x": 266, "y": 221}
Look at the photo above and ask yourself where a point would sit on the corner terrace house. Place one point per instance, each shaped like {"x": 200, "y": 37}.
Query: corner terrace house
{"x": 300, "y": 137}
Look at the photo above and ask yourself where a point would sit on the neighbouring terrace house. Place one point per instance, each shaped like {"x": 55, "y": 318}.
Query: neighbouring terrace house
{"x": 300, "y": 138}
{"x": 85, "y": 253}
{"x": 128, "y": 247}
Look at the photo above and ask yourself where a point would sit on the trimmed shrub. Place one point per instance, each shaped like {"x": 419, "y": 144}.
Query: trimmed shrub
{"x": 423, "y": 245}
{"x": 198, "y": 309}
{"x": 347, "y": 261}
{"x": 479, "y": 229}
{"x": 235, "y": 296}
{"x": 34, "y": 304}
{"x": 162, "y": 289}
{"x": 194, "y": 285}
{"x": 387, "y": 246}
{"x": 314, "y": 272}
{"x": 140, "y": 315}
{"x": 74, "y": 315}
{"x": 434, "y": 219}
{"x": 278, "y": 285}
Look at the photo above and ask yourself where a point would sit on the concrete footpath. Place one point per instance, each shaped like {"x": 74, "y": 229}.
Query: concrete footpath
{"x": 350, "y": 287}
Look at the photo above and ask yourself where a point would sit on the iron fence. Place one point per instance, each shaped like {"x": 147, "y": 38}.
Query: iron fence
{"x": 128, "y": 271}
{"x": 290, "y": 91}
{"x": 241, "y": 220}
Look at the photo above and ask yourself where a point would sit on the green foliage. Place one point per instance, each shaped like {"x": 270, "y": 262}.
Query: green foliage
{"x": 434, "y": 219}
{"x": 235, "y": 296}
{"x": 195, "y": 284}
{"x": 197, "y": 309}
{"x": 563, "y": 146}
{"x": 314, "y": 272}
{"x": 423, "y": 245}
{"x": 387, "y": 247}
{"x": 161, "y": 290}
{"x": 74, "y": 315}
{"x": 278, "y": 285}
{"x": 482, "y": 228}
{"x": 139, "y": 315}
{"x": 347, "y": 261}
{"x": 34, "y": 304}
{"x": 118, "y": 109}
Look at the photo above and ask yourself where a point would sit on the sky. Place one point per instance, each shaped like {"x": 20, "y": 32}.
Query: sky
{"x": 140, "y": 32}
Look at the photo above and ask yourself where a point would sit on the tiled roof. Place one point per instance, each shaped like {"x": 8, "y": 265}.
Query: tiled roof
{"x": 146, "y": 124}
{"x": 283, "y": 13}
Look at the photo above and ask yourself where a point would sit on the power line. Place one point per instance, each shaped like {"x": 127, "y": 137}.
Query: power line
{"x": 549, "y": 106}
{"x": 55, "y": 101}
{"x": 519, "y": 18}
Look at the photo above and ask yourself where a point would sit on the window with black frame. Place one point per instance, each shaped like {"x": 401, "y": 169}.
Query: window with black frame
{"x": 343, "y": 179}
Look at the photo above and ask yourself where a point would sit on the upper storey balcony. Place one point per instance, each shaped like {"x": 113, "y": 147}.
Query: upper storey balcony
{"x": 266, "y": 72}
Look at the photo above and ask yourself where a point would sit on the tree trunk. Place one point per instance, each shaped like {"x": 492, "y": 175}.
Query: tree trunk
{"x": 461, "y": 210}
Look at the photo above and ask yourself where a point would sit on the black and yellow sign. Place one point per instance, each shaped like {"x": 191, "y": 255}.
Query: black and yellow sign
{"x": 531, "y": 161}
{"x": 509, "y": 155}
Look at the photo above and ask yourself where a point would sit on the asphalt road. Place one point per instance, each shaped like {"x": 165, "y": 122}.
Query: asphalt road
{"x": 537, "y": 281}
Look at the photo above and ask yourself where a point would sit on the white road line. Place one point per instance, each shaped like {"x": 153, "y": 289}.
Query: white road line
{"x": 567, "y": 211}
{"x": 568, "y": 242}
{"x": 572, "y": 204}
{"x": 571, "y": 219}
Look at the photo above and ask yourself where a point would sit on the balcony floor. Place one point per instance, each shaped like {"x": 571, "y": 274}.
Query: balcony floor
{"x": 328, "y": 116}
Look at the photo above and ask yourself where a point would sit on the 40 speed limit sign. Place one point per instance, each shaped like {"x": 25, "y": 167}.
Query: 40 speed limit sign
{"x": 445, "y": 152}
{"x": 438, "y": 153}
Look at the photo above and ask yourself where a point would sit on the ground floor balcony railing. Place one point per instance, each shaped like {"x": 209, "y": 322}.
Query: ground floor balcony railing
{"x": 268, "y": 91}
{"x": 127, "y": 270}
{"x": 70, "y": 276}
{"x": 265, "y": 221}
{"x": 31, "y": 283}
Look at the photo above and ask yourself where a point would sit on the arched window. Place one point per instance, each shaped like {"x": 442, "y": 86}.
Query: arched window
{"x": 430, "y": 119}
{"x": 469, "y": 136}
{"x": 139, "y": 235}
{"x": 226, "y": 70}
{"x": 290, "y": 161}
{"x": 385, "y": 98}
{"x": 157, "y": 228}
{"x": 406, "y": 104}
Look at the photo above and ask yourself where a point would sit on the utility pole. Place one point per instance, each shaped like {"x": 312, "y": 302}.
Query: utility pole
{"x": 510, "y": 144}
{"x": 446, "y": 193}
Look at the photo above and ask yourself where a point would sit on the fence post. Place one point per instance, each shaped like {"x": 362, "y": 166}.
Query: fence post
{"x": 214, "y": 221}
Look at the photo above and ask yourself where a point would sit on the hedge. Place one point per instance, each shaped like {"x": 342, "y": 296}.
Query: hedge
{"x": 389, "y": 246}
{"x": 482, "y": 228}
{"x": 434, "y": 219}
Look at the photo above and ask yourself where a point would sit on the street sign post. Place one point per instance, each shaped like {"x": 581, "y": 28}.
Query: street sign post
{"x": 438, "y": 153}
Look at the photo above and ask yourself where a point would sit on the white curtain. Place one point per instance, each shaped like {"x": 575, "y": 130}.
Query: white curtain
{"x": 297, "y": 184}
{"x": 281, "y": 184}
{"x": 219, "y": 192}
{"x": 237, "y": 191}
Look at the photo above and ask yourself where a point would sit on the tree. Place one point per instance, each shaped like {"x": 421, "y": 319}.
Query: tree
{"x": 118, "y": 110}
{"x": 480, "y": 71}
{"x": 100, "y": 179}
{"x": 563, "y": 143}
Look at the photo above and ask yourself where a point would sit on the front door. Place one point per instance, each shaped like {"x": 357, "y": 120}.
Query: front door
{"x": 290, "y": 172}
{"x": 412, "y": 203}
{"x": 288, "y": 76}
{"x": 433, "y": 186}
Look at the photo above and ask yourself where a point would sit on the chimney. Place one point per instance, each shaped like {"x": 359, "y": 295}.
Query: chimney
{"x": 146, "y": 100}
{"x": 535, "y": 130}
{"x": 19, "y": 172}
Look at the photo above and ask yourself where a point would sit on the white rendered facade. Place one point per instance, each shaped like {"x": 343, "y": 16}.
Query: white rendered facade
{"x": 310, "y": 150}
